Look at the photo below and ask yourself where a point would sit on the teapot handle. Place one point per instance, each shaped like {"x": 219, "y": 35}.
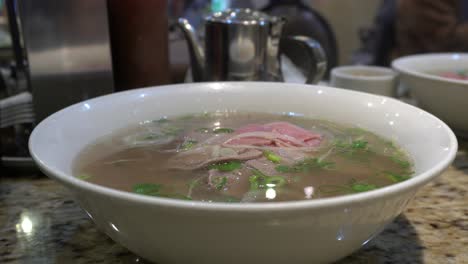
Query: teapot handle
{"x": 317, "y": 59}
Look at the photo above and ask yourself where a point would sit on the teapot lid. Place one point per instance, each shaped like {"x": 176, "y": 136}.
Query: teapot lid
{"x": 243, "y": 16}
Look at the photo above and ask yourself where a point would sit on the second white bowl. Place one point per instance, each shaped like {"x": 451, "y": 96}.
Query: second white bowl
{"x": 444, "y": 97}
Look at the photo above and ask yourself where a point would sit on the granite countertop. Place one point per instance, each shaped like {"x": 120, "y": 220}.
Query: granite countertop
{"x": 40, "y": 223}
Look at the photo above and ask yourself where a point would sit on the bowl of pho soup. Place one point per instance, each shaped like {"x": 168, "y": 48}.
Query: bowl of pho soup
{"x": 242, "y": 172}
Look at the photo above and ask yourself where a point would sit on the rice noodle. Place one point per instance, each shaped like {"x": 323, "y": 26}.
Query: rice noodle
{"x": 324, "y": 156}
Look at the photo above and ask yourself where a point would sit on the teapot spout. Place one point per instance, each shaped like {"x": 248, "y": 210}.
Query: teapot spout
{"x": 197, "y": 56}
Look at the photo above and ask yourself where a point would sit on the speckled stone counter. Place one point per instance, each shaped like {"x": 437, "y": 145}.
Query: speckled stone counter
{"x": 40, "y": 223}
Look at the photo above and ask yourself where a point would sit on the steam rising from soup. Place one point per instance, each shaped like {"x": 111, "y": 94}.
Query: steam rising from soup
{"x": 243, "y": 157}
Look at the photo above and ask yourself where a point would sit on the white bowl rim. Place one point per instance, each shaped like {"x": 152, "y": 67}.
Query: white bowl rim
{"x": 342, "y": 200}
{"x": 342, "y": 72}
{"x": 397, "y": 64}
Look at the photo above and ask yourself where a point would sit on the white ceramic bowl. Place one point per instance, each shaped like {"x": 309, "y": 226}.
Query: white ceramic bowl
{"x": 369, "y": 79}
{"x": 175, "y": 231}
{"x": 444, "y": 97}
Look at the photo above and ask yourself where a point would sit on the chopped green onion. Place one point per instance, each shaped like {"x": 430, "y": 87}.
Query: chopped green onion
{"x": 355, "y": 144}
{"x": 305, "y": 166}
{"x": 84, "y": 176}
{"x": 227, "y": 166}
{"x": 395, "y": 177}
{"x": 220, "y": 130}
{"x": 165, "y": 132}
{"x": 357, "y": 150}
{"x": 259, "y": 181}
{"x": 362, "y": 187}
{"x": 152, "y": 189}
{"x": 175, "y": 196}
{"x": 402, "y": 163}
{"x": 188, "y": 144}
{"x": 221, "y": 183}
{"x": 399, "y": 158}
{"x": 147, "y": 188}
{"x": 272, "y": 156}
{"x": 283, "y": 168}
{"x": 256, "y": 182}
{"x": 359, "y": 144}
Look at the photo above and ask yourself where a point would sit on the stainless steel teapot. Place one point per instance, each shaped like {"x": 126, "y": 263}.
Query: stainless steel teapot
{"x": 243, "y": 45}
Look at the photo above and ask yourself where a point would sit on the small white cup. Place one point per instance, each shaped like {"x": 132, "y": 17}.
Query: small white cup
{"x": 369, "y": 79}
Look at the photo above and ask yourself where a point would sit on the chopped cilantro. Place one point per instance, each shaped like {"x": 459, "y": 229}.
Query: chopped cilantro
{"x": 362, "y": 187}
{"x": 152, "y": 189}
{"x": 220, "y": 130}
{"x": 357, "y": 150}
{"x": 359, "y": 144}
{"x": 403, "y": 163}
{"x": 188, "y": 144}
{"x": 354, "y": 145}
{"x": 147, "y": 188}
{"x": 221, "y": 183}
{"x": 256, "y": 182}
{"x": 226, "y": 166}
{"x": 395, "y": 177}
{"x": 165, "y": 131}
{"x": 283, "y": 168}
{"x": 305, "y": 166}
{"x": 259, "y": 181}
{"x": 399, "y": 158}
{"x": 84, "y": 176}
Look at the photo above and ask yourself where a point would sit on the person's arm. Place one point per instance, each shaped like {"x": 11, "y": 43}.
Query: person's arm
{"x": 429, "y": 26}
